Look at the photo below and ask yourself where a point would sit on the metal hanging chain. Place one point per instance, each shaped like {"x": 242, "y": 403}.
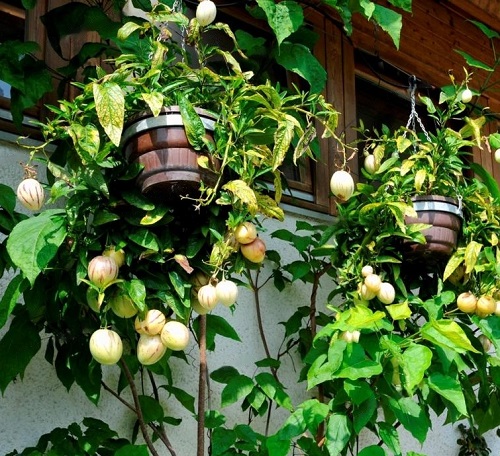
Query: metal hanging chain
{"x": 177, "y": 7}
{"x": 414, "y": 114}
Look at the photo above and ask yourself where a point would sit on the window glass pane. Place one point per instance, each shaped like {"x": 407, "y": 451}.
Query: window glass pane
{"x": 12, "y": 20}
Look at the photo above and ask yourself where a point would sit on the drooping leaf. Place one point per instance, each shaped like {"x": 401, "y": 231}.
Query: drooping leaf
{"x": 23, "y": 339}
{"x": 411, "y": 416}
{"x": 299, "y": 59}
{"x": 10, "y": 296}
{"x": 86, "y": 141}
{"x": 450, "y": 388}
{"x": 473, "y": 62}
{"x": 416, "y": 360}
{"x": 390, "y": 21}
{"x": 35, "y": 241}
{"x": 237, "y": 388}
{"x": 244, "y": 193}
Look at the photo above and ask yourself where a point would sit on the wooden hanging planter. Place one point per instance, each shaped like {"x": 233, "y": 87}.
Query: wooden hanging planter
{"x": 445, "y": 216}
{"x": 170, "y": 164}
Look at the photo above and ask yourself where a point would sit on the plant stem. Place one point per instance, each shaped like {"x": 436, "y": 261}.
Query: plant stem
{"x": 202, "y": 380}
{"x": 160, "y": 430}
{"x": 138, "y": 410}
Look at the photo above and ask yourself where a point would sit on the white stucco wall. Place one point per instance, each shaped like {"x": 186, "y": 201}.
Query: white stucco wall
{"x": 39, "y": 403}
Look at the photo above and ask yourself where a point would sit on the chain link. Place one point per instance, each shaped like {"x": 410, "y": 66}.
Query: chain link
{"x": 414, "y": 114}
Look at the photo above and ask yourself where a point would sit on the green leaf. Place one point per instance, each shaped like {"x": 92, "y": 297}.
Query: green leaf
{"x": 411, "y": 416}
{"x": 490, "y": 34}
{"x": 151, "y": 409}
{"x": 237, "y": 388}
{"x": 193, "y": 125}
{"x": 10, "y": 296}
{"x": 390, "y": 437}
{"x": 274, "y": 390}
{"x": 137, "y": 291}
{"x": 182, "y": 396}
{"x": 21, "y": 339}
{"x": 218, "y": 325}
{"x": 450, "y": 388}
{"x": 338, "y": 433}
{"x": 416, "y": 360}
{"x": 314, "y": 413}
{"x": 132, "y": 450}
{"x": 242, "y": 192}
{"x": 222, "y": 440}
{"x": 399, "y": 311}
{"x": 299, "y": 59}
{"x": 447, "y": 334}
{"x": 284, "y": 18}
{"x": 471, "y": 61}
{"x": 372, "y": 450}
{"x": 110, "y": 107}
{"x": 390, "y": 21}
{"x": 34, "y": 242}
{"x": 146, "y": 239}
{"x": 356, "y": 364}
{"x": 7, "y": 199}
{"x": 224, "y": 374}
{"x": 298, "y": 269}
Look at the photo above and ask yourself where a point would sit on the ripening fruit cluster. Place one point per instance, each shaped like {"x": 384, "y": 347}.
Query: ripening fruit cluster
{"x": 483, "y": 306}
{"x": 156, "y": 335}
{"x": 206, "y": 296}
{"x": 30, "y": 194}
{"x": 252, "y": 247}
{"x": 372, "y": 286}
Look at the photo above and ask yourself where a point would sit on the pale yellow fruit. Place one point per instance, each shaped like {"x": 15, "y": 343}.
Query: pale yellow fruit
{"x": 365, "y": 293}
{"x": 153, "y": 322}
{"x": 175, "y": 335}
{"x": 467, "y": 302}
{"x": 497, "y": 155}
{"x": 30, "y": 194}
{"x": 227, "y": 292}
{"x": 245, "y": 233}
{"x": 342, "y": 185}
{"x": 150, "y": 349}
{"x": 486, "y": 305}
{"x": 370, "y": 164}
{"x": 485, "y": 342}
{"x": 102, "y": 270}
{"x": 373, "y": 282}
{"x": 206, "y": 12}
{"x": 117, "y": 255}
{"x": 207, "y": 296}
{"x": 255, "y": 251}
{"x": 106, "y": 346}
{"x": 466, "y": 95}
{"x": 386, "y": 293}
{"x": 122, "y": 305}
{"x": 366, "y": 270}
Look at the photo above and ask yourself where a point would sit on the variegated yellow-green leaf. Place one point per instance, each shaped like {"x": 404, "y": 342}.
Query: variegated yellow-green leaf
{"x": 494, "y": 239}
{"x": 86, "y": 141}
{"x": 448, "y": 334}
{"x": 453, "y": 263}
{"x": 399, "y": 311}
{"x": 193, "y": 126}
{"x": 155, "y": 102}
{"x": 472, "y": 128}
{"x": 154, "y": 215}
{"x": 361, "y": 317}
{"x": 472, "y": 252}
{"x": 282, "y": 140}
{"x": 230, "y": 60}
{"x": 241, "y": 191}
{"x": 305, "y": 140}
{"x": 203, "y": 161}
{"x": 406, "y": 167}
{"x": 127, "y": 29}
{"x": 110, "y": 107}
{"x": 420, "y": 179}
{"x": 378, "y": 153}
{"x": 220, "y": 253}
{"x": 278, "y": 186}
{"x": 402, "y": 143}
{"x": 269, "y": 207}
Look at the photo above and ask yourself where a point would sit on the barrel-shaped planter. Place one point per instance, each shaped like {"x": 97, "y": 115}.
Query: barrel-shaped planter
{"x": 445, "y": 216}
{"x": 160, "y": 145}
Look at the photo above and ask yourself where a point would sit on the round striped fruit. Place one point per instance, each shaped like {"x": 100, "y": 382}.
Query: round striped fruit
{"x": 102, "y": 270}
{"x": 30, "y": 194}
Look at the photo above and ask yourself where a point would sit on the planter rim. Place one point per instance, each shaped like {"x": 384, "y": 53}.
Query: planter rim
{"x": 168, "y": 117}
{"x": 438, "y": 205}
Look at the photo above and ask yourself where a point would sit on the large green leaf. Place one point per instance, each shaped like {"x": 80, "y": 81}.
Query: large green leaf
{"x": 411, "y": 416}
{"x": 23, "y": 340}
{"x": 299, "y": 59}
{"x": 284, "y": 17}
{"x": 473, "y": 62}
{"x": 450, "y": 388}
{"x": 338, "y": 433}
{"x": 372, "y": 450}
{"x": 389, "y": 21}
{"x": 110, "y": 107}
{"x": 416, "y": 360}
{"x": 35, "y": 241}
{"x": 133, "y": 450}
{"x": 151, "y": 409}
